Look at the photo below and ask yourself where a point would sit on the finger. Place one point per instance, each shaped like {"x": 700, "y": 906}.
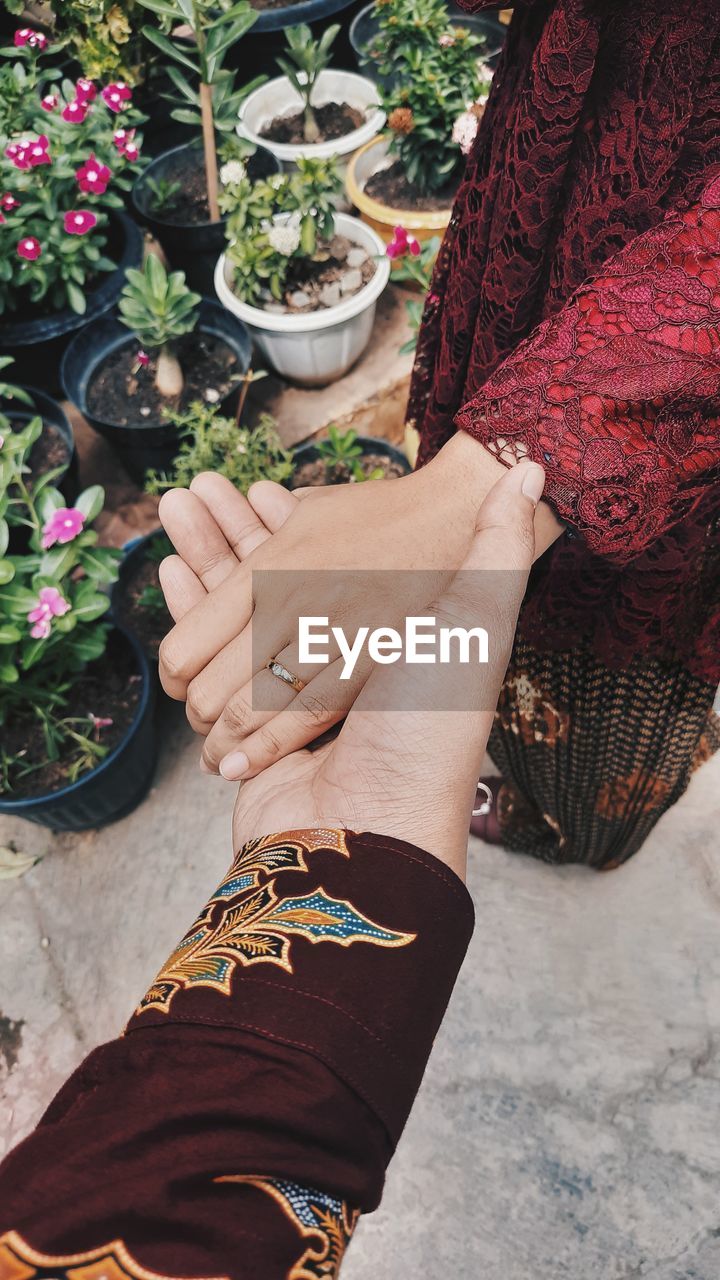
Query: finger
{"x": 273, "y": 503}
{"x": 181, "y": 587}
{"x": 255, "y": 710}
{"x": 204, "y": 631}
{"x": 243, "y": 525}
{"x": 196, "y": 537}
{"x": 298, "y": 719}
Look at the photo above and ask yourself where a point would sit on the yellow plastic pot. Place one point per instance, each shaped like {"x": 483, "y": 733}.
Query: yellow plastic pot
{"x": 383, "y": 218}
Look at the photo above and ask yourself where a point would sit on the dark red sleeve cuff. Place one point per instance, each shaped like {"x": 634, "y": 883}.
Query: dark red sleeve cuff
{"x": 343, "y": 945}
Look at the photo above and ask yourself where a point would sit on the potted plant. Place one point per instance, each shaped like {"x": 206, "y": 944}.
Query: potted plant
{"x": 76, "y": 697}
{"x": 68, "y": 150}
{"x": 178, "y": 196}
{"x": 433, "y": 89}
{"x": 312, "y": 111}
{"x": 346, "y": 458}
{"x": 366, "y": 40}
{"x": 303, "y": 277}
{"x": 181, "y": 347}
{"x": 53, "y": 453}
{"x": 209, "y": 441}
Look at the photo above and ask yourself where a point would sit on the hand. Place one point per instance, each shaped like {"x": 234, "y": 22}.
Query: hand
{"x": 250, "y": 719}
{"x": 409, "y": 774}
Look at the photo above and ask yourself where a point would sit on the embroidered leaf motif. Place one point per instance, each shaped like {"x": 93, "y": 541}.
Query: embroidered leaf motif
{"x": 246, "y": 922}
{"x": 328, "y": 1222}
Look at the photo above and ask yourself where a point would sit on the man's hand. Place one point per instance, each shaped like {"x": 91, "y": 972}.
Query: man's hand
{"x": 407, "y": 773}
{"x": 420, "y": 522}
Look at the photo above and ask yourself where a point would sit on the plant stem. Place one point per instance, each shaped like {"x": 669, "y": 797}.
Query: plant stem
{"x": 211, "y": 167}
{"x": 311, "y": 133}
{"x": 242, "y": 397}
{"x": 169, "y": 377}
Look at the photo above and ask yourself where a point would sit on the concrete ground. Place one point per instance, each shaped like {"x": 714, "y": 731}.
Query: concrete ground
{"x": 568, "y": 1122}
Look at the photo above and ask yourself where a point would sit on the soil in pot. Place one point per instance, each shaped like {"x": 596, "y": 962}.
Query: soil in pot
{"x": 333, "y": 119}
{"x": 186, "y": 203}
{"x": 110, "y": 689}
{"x": 49, "y": 451}
{"x": 391, "y": 187}
{"x": 320, "y": 472}
{"x": 141, "y": 605}
{"x": 124, "y": 396}
{"x": 342, "y": 271}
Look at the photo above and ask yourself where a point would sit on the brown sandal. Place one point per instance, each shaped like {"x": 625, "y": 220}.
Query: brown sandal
{"x": 484, "y": 822}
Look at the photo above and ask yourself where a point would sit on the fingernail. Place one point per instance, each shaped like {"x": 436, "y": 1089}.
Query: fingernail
{"x": 234, "y": 765}
{"x": 533, "y": 482}
{"x": 204, "y": 768}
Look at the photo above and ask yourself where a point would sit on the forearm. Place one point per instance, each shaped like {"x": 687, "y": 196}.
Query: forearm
{"x": 249, "y": 1112}
{"x": 466, "y": 468}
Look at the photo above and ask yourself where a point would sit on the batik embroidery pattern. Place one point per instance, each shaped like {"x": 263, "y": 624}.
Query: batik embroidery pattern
{"x": 328, "y": 1222}
{"x": 112, "y": 1262}
{"x": 246, "y": 922}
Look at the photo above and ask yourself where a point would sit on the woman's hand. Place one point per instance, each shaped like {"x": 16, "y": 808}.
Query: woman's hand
{"x": 409, "y": 773}
{"x": 420, "y": 522}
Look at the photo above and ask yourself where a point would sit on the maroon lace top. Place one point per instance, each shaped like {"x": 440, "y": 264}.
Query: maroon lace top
{"x": 575, "y": 316}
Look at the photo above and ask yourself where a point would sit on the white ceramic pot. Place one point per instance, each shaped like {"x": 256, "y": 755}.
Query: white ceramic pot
{"x": 278, "y": 98}
{"x": 318, "y": 347}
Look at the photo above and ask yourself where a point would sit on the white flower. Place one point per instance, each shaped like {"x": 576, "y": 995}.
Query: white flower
{"x": 464, "y": 130}
{"x": 284, "y": 239}
{"x": 276, "y": 180}
{"x": 233, "y": 171}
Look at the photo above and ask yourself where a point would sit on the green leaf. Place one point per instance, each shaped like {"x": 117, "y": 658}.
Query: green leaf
{"x": 9, "y": 634}
{"x": 92, "y": 608}
{"x": 76, "y": 298}
{"x": 9, "y": 673}
{"x": 4, "y": 536}
{"x": 167, "y": 47}
{"x": 7, "y": 572}
{"x": 90, "y": 502}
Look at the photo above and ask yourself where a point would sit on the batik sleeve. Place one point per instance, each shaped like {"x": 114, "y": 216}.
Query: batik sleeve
{"x": 618, "y": 394}
{"x": 247, "y": 1115}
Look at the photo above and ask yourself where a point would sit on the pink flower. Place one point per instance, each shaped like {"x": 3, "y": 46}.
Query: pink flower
{"x": 98, "y": 723}
{"x": 143, "y": 359}
{"x": 29, "y": 248}
{"x": 447, "y": 41}
{"x": 122, "y": 137}
{"x": 2, "y": 218}
{"x": 131, "y": 152}
{"x": 49, "y": 102}
{"x": 8, "y": 202}
{"x": 64, "y": 525}
{"x": 75, "y": 112}
{"x": 26, "y": 36}
{"x": 85, "y": 91}
{"x": 402, "y": 243}
{"x": 37, "y": 152}
{"x": 50, "y": 605}
{"x": 93, "y": 175}
{"x": 116, "y": 96}
{"x": 77, "y": 222}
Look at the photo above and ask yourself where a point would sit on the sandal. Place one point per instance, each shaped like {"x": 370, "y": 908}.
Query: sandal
{"x": 484, "y": 822}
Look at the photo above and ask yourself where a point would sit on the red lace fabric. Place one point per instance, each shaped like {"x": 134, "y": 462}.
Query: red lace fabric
{"x": 575, "y": 317}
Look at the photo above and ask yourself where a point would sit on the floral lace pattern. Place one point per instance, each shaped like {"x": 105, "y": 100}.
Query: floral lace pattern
{"x": 591, "y": 180}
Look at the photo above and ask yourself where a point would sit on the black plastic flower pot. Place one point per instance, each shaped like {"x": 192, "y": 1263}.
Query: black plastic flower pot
{"x": 365, "y": 27}
{"x": 304, "y": 453}
{"x": 117, "y": 785}
{"x": 190, "y": 247}
{"x": 134, "y": 558}
{"x": 37, "y": 342}
{"x": 155, "y": 443}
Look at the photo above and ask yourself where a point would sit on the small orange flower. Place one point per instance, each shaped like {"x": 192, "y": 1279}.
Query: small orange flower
{"x": 401, "y": 120}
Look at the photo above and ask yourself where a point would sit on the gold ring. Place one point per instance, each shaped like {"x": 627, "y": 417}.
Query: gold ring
{"x": 286, "y": 676}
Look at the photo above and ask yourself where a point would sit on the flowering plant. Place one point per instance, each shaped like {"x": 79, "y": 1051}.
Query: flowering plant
{"x": 66, "y": 149}
{"x": 430, "y": 75}
{"x": 277, "y": 220}
{"x": 98, "y": 33}
{"x": 51, "y": 609}
{"x": 414, "y": 262}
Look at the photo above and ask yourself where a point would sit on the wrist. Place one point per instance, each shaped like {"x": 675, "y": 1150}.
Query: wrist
{"x": 465, "y": 472}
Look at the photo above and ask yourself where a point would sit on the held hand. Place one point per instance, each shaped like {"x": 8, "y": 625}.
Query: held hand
{"x": 412, "y": 773}
{"x": 250, "y": 719}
